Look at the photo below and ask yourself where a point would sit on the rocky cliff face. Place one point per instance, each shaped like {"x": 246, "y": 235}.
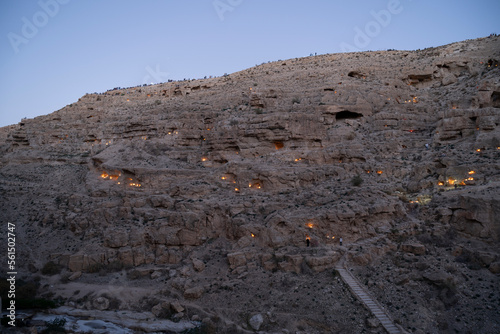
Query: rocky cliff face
{"x": 220, "y": 179}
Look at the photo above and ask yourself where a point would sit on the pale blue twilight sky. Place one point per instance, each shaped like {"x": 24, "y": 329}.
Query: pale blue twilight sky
{"x": 54, "y": 51}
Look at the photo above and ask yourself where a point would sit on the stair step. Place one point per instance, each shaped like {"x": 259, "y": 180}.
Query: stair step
{"x": 369, "y": 302}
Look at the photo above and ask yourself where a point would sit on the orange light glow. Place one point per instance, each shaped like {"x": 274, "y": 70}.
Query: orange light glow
{"x": 470, "y": 179}
{"x": 451, "y": 181}
{"x": 253, "y": 235}
{"x": 298, "y": 159}
{"x": 440, "y": 183}
{"x": 310, "y": 225}
{"x": 104, "y": 175}
{"x": 204, "y": 159}
{"x": 236, "y": 189}
{"x": 379, "y": 172}
{"x": 472, "y": 172}
{"x": 478, "y": 150}
{"x": 308, "y": 237}
{"x": 223, "y": 178}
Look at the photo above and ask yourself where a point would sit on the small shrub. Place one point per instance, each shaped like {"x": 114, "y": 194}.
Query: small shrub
{"x": 51, "y": 269}
{"x": 356, "y": 181}
{"x": 55, "y": 326}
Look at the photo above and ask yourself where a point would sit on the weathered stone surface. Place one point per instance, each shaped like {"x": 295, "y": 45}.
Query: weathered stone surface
{"x": 78, "y": 262}
{"x": 194, "y": 293}
{"x": 115, "y": 238}
{"x": 236, "y": 259}
{"x": 414, "y": 248}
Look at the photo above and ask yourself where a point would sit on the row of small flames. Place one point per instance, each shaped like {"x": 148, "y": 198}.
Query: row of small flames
{"x": 309, "y": 225}
{"x": 114, "y": 177}
{"x": 451, "y": 181}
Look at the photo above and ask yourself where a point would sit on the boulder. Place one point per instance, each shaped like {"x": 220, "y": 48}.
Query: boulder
{"x": 448, "y": 79}
{"x": 495, "y": 268}
{"x": 256, "y": 321}
{"x": 437, "y": 277}
{"x": 115, "y": 238}
{"x": 414, "y": 248}
{"x": 236, "y": 259}
{"x": 78, "y": 262}
{"x": 75, "y": 276}
{"x": 101, "y": 303}
{"x": 198, "y": 265}
{"x": 176, "y": 307}
{"x": 372, "y": 322}
{"x": 194, "y": 293}
{"x": 156, "y": 274}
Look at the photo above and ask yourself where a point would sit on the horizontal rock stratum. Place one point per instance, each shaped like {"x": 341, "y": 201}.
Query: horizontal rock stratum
{"x": 198, "y": 188}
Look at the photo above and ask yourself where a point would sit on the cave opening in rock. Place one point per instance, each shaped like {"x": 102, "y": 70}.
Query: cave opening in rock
{"x": 346, "y": 114}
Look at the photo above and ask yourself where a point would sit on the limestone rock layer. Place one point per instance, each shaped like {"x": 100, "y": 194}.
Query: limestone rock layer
{"x": 379, "y": 146}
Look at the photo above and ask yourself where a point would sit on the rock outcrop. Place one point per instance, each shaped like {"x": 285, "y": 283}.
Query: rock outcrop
{"x": 199, "y": 184}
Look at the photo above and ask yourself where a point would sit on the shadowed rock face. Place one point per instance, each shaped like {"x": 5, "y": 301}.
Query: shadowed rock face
{"x": 380, "y": 146}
